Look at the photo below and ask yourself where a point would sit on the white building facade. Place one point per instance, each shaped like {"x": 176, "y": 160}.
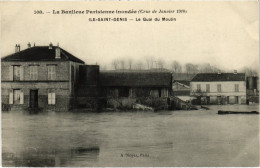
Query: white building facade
{"x": 225, "y": 88}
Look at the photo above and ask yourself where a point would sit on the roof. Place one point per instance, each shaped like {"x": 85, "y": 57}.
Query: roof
{"x": 138, "y": 70}
{"x": 41, "y": 53}
{"x": 184, "y": 82}
{"x": 183, "y": 76}
{"x": 210, "y": 77}
{"x": 136, "y": 79}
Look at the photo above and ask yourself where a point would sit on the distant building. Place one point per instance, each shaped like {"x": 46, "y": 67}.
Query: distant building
{"x": 136, "y": 84}
{"x": 181, "y": 89}
{"x": 219, "y": 88}
{"x": 252, "y": 89}
{"x": 121, "y": 89}
{"x": 39, "y": 77}
{"x": 131, "y": 87}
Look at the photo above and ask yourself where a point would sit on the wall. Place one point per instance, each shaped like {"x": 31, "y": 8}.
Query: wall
{"x": 137, "y": 92}
{"x": 124, "y": 103}
{"x": 61, "y": 90}
{"x": 62, "y": 70}
{"x": 74, "y": 82}
{"x": 227, "y": 89}
{"x": 61, "y": 85}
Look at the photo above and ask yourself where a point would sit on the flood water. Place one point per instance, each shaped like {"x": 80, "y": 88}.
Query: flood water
{"x": 167, "y": 138}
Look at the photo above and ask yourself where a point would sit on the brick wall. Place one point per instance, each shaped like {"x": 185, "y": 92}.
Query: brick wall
{"x": 61, "y": 89}
{"x": 62, "y": 70}
{"x": 63, "y": 85}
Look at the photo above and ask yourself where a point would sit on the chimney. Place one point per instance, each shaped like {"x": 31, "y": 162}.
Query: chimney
{"x": 16, "y": 48}
{"x": 34, "y": 44}
{"x": 50, "y": 46}
{"x": 29, "y": 45}
{"x": 57, "y": 53}
{"x": 235, "y": 71}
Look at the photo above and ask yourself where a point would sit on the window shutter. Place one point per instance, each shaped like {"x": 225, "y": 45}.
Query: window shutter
{"x": 21, "y": 72}
{"x": 54, "y": 72}
{"x": 21, "y": 97}
{"x": 53, "y": 98}
{"x": 49, "y": 98}
{"x": 31, "y": 73}
{"x": 11, "y": 96}
{"x": 49, "y": 72}
{"x": 36, "y": 72}
{"x": 11, "y": 73}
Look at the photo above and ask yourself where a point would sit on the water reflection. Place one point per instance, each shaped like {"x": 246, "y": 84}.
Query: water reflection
{"x": 35, "y": 158}
{"x": 166, "y": 138}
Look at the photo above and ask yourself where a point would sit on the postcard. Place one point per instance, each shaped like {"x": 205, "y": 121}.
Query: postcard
{"x": 129, "y": 84}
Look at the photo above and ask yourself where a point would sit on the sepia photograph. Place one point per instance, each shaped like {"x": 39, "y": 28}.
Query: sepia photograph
{"x": 129, "y": 84}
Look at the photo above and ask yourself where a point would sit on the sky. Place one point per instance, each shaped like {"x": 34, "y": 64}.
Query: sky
{"x": 224, "y": 34}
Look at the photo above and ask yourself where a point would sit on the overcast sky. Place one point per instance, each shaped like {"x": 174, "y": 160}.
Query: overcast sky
{"x": 224, "y": 34}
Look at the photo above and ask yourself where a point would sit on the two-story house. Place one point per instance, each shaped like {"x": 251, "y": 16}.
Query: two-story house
{"x": 39, "y": 77}
{"x": 219, "y": 88}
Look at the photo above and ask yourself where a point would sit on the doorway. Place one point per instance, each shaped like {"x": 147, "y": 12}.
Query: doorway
{"x": 207, "y": 100}
{"x": 33, "y": 98}
{"x": 17, "y": 96}
{"x": 219, "y": 99}
{"x": 227, "y": 99}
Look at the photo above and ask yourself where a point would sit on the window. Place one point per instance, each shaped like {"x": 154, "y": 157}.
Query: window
{"x": 236, "y": 88}
{"x": 51, "y": 97}
{"x": 207, "y": 88}
{"x": 219, "y": 87}
{"x": 16, "y": 71}
{"x": 16, "y": 97}
{"x": 51, "y": 72}
{"x": 33, "y": 72}
{"x": 198, "y": 87}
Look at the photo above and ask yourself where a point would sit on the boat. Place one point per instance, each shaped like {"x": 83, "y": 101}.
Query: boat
{"x": 237, "y": 112}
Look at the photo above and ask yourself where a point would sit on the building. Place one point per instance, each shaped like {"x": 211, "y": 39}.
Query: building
{"x": 126, "y": 88}
{"x": 88, "y": 90}
{"x": 181, "y": 89}
{"x": 219, "y": 88}
{"x": 40, "y": 77}
{"x": 136, "y": 84}
{"x": 181, "y": 86}
{"x": 252, "y": 89}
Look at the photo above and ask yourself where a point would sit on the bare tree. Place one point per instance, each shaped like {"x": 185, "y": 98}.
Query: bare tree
{"x": 103, "y": 67}
{"x": 250, "y": 71}
{"x": 139, "y": 65}
{"x": 149, "y": 62}
{"x": 176, "y": 67}
{"x": 122, "y": 64}
{"x": 130, "y": 63}
{"x": 207, "y": 68}
{"x": 191, "y": 68}
{"x": 160, "y": 63}
{"x": 115, "y": 64}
